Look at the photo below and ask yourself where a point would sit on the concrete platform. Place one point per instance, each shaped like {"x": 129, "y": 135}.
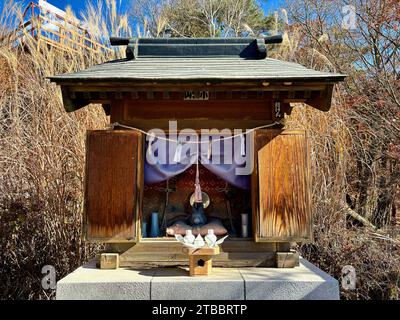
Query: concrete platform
{"x": 305, "y": 282}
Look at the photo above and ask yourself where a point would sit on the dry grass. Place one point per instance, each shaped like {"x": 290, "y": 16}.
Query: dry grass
{"x": 41, "y": 161}
{"x": 338, "y": 240}
{"x": 42, "y": 157}
{"x": 337, "y": 243}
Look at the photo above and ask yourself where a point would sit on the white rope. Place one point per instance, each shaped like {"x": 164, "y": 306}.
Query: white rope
{"x": 116, "y": 124}
{"x": 242, "y": 146}
{"x": 178, "y": 153}
{"x": 197, "y": 188}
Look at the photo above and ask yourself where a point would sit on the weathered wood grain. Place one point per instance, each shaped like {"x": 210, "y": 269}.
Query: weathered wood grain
{"x": 111, "y": 185}
{"x": 317, "y": 95}
{"x": 234, "y": 253}
{"x": 200, "y": 260}
{"x": 109, "y": 261}
{"x": 207, "y": 109}
{"x": 163, "y": 124}
{"x": 284, "y": 212}
{"x": 287, "y": 259}
{"x": 171, "y": 245}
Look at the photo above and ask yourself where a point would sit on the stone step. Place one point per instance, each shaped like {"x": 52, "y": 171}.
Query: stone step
{"x": 306, "y": 282}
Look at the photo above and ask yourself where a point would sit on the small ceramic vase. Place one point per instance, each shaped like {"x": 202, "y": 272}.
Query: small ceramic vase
{"x": 144, "y": 229}
{"x": 245, "y": 225}
{"x": 245, "y": 219}
{"x": 189, "y": 237}
{"x": 245, "y": 231}
{"x": 154, "y": 228}
{"x": 210, "y": 237}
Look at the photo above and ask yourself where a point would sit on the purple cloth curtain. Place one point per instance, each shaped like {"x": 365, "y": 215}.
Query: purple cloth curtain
{"x": 160, "y": 165}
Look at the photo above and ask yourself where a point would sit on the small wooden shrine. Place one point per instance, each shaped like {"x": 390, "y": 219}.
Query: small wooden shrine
{"x": 136, "y": 205}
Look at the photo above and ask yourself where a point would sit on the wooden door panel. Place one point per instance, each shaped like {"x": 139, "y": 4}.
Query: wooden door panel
{"x": 111, "y": 185}
{"x": 284, "y": 212}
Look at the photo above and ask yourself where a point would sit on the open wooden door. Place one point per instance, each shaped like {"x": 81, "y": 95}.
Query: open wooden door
{"x": 281, "y": 186}
{"x": 113, "y": 184}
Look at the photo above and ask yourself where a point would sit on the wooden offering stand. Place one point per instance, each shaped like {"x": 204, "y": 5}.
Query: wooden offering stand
{"x": 200, "y": 260}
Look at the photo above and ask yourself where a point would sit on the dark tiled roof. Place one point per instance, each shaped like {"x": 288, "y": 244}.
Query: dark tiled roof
{"x": 175, "y": 69}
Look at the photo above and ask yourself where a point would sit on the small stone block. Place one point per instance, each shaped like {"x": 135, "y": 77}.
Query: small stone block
{"x": 287, "y": 259}
{"x": 109, "y": 261}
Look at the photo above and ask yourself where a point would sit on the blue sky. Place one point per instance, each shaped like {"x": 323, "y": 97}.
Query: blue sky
{"x": 77, "y": 5}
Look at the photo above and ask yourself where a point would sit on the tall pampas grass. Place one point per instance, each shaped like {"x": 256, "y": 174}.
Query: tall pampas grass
{"x": 42, "y": 153}
{"x": 337, "y": 241}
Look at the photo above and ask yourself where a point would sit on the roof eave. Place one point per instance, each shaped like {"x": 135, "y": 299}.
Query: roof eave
{"x": 73, "y": 102}
{"x": 60, "y": 80}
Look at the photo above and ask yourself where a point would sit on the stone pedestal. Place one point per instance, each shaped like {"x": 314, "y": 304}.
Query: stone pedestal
{"x": 305, "y": 282}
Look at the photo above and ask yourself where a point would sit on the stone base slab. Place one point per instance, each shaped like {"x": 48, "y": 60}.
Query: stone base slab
{"x": 305, "y": 282}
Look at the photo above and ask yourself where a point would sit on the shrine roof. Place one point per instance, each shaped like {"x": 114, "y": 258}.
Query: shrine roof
{"x": 192, "y": 69}
{"x": 195, "y": 60}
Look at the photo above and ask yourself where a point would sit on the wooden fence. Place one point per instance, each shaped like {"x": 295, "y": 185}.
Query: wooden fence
{"x": 50, "y": 28}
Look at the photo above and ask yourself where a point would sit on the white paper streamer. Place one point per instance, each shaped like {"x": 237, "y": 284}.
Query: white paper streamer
{"x": 209, "y": 151}
{"x": 178, "y": 151}
{"x": 152, "y": 137}
{"x": 242, "y": 145}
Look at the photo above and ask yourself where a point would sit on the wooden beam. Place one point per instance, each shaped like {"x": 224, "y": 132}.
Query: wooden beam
{"x": 319, "y": 98}
{"x": 195, "y": 123}
{"x": 175, "y": 85}
{"x": 235, "y": 252}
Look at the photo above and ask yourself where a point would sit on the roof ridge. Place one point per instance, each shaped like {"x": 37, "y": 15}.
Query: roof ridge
{"x": 254, "y": 48}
